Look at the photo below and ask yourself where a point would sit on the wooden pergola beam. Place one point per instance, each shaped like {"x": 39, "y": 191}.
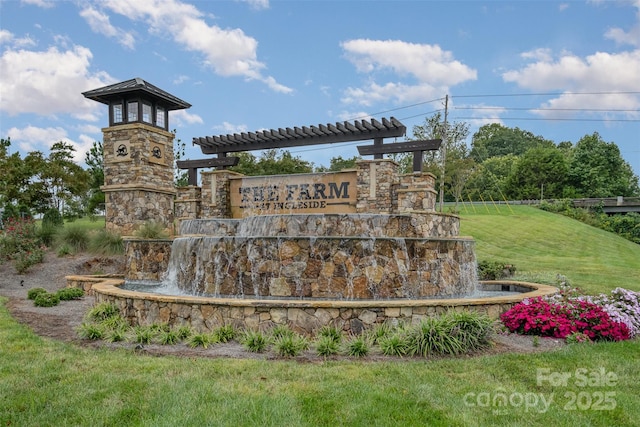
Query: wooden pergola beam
{"x": 417, "y": 147}
{"x": 193, "y": 165}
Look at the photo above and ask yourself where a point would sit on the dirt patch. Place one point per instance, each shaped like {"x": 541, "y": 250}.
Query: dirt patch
{"x": 60, "y": 322}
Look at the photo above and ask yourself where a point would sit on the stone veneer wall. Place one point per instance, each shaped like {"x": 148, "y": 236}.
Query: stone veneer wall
{"x": 375, "y": 186}
{"x": 216, "y": 202}
{"x": 138, "y": 170}
{"x": 146, "y": 259}
{"x": 379, "y": 190}
{"x": 416, "y": 193}
{"x": 188, "y": 203}
{"x": 205, "y": 314}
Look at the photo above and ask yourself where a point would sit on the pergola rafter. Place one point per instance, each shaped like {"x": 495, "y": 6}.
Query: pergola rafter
{"x": 359, "y": 130}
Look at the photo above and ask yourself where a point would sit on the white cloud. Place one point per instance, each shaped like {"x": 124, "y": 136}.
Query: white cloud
{"x": 85, "y": 128}
{"x": 45, "y": 4}
{"x": 6, "y": 37}
{"x": 631, "y": 37}
{"x": 432, "y": 68}
{"x": 350, "y": 116}
{"x": 257, "y": 4}
{"x": 540, "y": 54}
{"x": 182, "y": 117}
{"x": 400, "y": 93}
{"x": 40, "y": 82}
{"x": 32, "y": 138}
{"x": 229, "y": 52}
{"x": 99, "y": 23}
{"x": 599, "y": 72}
{"x": 227, "y": 128}
{"x": 424, "y": 62}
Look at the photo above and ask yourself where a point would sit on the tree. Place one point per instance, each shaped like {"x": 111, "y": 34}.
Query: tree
{"x": 598, "y": 170}
{"x": 458, "y": 167}
{"x": 271, "y": 162}
{"x": 181, "y": 177}
{"x": 490, "y": 177}
{"x": 540, "y": 173}
{"x": 495, "y": 140}
{"x": 337, "y": 164}
{"x": 65, "y": 180}
{"x": 18, "y": 186}
{"x": 95, "y": 162}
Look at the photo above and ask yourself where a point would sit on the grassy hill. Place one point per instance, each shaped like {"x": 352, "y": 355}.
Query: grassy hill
{"x": 542, "y": 244}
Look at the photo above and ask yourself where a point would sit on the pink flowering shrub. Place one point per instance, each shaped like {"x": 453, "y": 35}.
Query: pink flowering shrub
{"x": 559, "y": 320}
{"x": 19, "y": 242}
{"x": 622, "y": 305}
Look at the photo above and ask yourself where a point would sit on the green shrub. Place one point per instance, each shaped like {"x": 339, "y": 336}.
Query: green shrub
{"x": 224, "y": 333}
{"x": 151, "y": 230}
{"x": 254, "y": 341}
{"x": 115, "y": 322}
{"x": 68, "y": 294}
{"x": 76, "y": 236}
{"x": 103, "y": 311}
{"x": 46, "y": 300}
{"x": 47, "y": 233}
{"x": 24, "y": 260}
{"x": 394, "y": 344}
{"x": 169, "y": 337}
{"x": 144, "y": 334}
{"x": 433, "y": 335}
{"x": 34, "y": 292}
{"x": 184, "y": 332}
{"x": 494, "y": 270}
{"x": 327, "y": 345}
{"x": 290, "y": 345}
{"x": 91, "y": 331}
{"x": 199, "y": 340}
{"x": 63, "y": 250}
{"x": 52, "y": 217}
{"x": 358, "y": 346}
{"x": 471, "y": 328}
{"x": 331, "y": 332}
{"x": 106, "y": 243}
{"x": 379, "y": 331}
{"x": 280, "y": 331}
{"x": 116, "y": 335}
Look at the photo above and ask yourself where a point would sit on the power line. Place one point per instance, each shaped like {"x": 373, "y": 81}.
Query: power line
{"x": 398, "y": 108}
{"x": 545, "y": 94}
{"x": 548, "y": 119}
{"x": 547, "y": 109}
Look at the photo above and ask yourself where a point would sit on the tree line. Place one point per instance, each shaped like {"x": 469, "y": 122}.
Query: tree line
{"x": 37, "y": 183}
{"x": 500, "y": 163}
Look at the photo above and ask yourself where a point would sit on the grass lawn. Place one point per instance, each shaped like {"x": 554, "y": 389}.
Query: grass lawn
{"x": 48, "y": 383}
{"x": 543, "y": 244}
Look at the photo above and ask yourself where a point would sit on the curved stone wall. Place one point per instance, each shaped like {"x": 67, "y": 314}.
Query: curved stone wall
{"x": 305, "y": 316}
{"x": 323, "y": 267}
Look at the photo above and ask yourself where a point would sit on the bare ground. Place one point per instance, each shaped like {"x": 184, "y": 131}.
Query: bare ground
{"x": 60, "y": 322}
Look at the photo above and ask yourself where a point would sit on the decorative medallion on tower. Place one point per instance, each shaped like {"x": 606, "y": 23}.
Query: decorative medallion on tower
{"x": 138, "y": 154}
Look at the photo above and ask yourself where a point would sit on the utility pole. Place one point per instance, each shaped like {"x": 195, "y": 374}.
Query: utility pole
{"x": 444, "y": 152}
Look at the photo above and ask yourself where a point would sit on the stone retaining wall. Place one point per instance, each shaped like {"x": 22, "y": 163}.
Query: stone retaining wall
{"x": 205, "y": 314}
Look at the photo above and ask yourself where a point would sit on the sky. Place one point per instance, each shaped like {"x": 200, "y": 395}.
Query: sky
{"x": 560, "y": 70}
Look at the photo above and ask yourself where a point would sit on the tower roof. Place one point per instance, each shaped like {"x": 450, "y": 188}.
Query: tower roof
{"x": 136, "y": 86}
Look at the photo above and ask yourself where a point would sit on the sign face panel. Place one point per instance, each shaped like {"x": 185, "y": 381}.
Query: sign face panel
{"x": 290, "y": 194}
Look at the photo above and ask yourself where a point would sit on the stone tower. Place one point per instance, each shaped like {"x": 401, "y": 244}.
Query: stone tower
{"x": 138, "y": 155}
